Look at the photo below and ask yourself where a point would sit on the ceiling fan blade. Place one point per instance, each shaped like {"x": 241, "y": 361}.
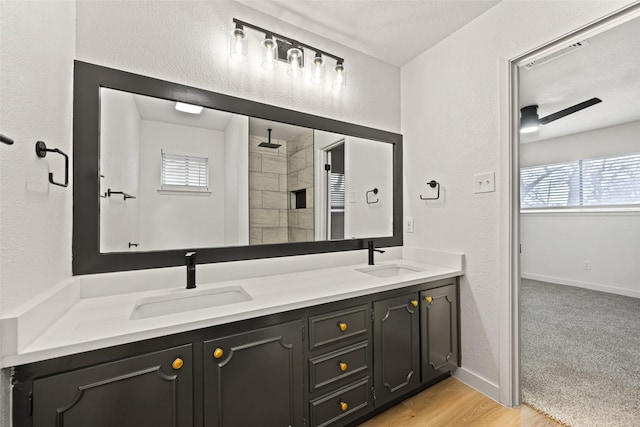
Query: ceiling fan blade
{"x": 574, "y": 109}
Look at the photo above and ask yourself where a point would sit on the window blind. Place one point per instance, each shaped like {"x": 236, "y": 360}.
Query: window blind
{"x": 336, "y": 181}
{"x": 607, "y": 181}
{"x": 183, "y": 172}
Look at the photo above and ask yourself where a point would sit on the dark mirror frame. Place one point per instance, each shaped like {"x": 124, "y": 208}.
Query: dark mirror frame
{"x": 87, "y": 259}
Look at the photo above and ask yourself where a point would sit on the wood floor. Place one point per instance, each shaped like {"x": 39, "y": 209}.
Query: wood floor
{"x": 452, "y": 403}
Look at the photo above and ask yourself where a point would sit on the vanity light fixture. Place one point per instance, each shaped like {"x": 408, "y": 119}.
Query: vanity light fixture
{"x": 278, "y": 48}
{"x": 188, "y": 108}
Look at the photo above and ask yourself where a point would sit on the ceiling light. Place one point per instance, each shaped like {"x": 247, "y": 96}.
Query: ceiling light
{"x": 529, "y": 121}
{"x": 238, "y": 44}
{"x": 276, "y": 48}
{"x": 188, "y": 108}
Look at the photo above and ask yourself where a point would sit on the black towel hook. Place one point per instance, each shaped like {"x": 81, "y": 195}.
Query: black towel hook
{"x": 41, "y": 151}
{"x": 6, "y": 139}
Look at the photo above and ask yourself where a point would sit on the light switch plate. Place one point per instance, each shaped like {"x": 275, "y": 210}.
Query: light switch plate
{"x": 409, "y": 224}
{"x": 352, "y": 196}
{"x": 484, "y": 182}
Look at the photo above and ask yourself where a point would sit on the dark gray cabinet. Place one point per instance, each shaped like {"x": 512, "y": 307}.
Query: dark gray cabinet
{"x": 396, "y": 337}
{"x": 149, "y": 390}
{"x": 255, "y": 378}
{"x": 339, "y": 364}
{"x": 321, "y": 366}
{"x": 440, "y": 331}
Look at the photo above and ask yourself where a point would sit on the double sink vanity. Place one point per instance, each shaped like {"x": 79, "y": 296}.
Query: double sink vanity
{"x": 287, "y": 325}
{"x": 324, "y": 347}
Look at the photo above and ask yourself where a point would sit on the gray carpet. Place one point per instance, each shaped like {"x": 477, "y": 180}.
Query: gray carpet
{"x": 580, "y": 354}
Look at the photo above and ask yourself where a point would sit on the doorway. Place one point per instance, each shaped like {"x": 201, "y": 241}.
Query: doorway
{"x": 563, "y": 183}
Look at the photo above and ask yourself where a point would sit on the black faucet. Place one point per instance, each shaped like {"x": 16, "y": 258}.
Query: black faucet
{"x": 190, "y": 258}
{"x": 371, "y": 251}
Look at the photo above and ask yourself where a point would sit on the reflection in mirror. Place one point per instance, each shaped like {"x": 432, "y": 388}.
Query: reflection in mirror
{"x": 355, "y": 187}
{"x": 187, "y": 174}
{"x": 337, "y": 192}
{"x": 280, "y": 183}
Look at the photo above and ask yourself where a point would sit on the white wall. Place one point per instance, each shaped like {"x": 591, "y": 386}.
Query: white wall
{"x": 119, "y": 159}
{"x": 236, "y": 181}
{"x": 368, "y": 165}
{"x": 556, "y": 245}
{"x": 37, "y": 46}
{"x": 188, "y": 42}
{"x": 609, "y": 141}
{"x": 180, "y": 220}
{"x": 451, "y": 122}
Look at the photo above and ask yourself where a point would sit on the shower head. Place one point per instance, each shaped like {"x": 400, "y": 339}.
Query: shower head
{"x": 269, "y": 144}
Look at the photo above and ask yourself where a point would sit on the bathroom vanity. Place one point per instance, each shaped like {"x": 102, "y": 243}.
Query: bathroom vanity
{"x": 318, "y": 356}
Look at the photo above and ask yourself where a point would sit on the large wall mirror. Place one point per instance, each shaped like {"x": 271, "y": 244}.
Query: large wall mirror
{"x": 161, "y": 169}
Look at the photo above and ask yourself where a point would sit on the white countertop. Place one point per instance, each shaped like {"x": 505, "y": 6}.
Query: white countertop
{"x": 100, "y": 321}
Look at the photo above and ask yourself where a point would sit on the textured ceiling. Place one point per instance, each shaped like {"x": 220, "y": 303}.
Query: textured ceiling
{"x": 608, "y": 68}
{"x": 395, "y": 31}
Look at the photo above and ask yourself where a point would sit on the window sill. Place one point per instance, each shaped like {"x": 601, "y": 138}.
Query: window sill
{"x": 626, "y": 210}
{"x": 184, "y": 193}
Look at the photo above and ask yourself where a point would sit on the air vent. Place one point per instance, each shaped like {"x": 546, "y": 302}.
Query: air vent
{"x": 555, "y": 55}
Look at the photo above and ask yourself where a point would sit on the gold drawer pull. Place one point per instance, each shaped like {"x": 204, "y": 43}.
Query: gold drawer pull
{"x": 344, "y": 406}
{"x": 177, "y": 364}
{"x": 428, "y": 299}
{"x": 342, "y": 326}
{"x": 343, "y": 366}
{"x": 414, "y": 302}
{"x": 218, "y": 353}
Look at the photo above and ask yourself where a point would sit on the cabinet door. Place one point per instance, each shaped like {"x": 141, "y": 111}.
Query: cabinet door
{"x": 440, "y": 326}
{"x": 396, "y": 343}
{"x": 150, "y": 390}
{"x": 255, "y": 378}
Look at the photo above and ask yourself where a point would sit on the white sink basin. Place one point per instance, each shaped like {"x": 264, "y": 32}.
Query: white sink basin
{"x": 187, "y": 300}
{"x": 389, "y": 270}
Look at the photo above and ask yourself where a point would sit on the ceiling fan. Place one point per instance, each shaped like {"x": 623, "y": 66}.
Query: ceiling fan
{"x": 530, "y": 122}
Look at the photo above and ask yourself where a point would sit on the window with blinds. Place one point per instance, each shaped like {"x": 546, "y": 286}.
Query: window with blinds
{"x": 607, "y": 181}
{"x": 336, "y": 181}
{"x": 184, "y": 173}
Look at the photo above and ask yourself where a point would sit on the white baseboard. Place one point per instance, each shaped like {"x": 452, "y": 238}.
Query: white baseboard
{"x": 585, "y": 285}
{"x": 478, "y": 383}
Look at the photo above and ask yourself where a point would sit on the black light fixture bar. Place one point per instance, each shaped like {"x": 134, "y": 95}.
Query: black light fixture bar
{"x": 293, "y": 42}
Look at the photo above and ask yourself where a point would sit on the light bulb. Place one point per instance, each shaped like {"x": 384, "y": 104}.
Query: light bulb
{"x": 317, "y": 70}
{"x": 294, "y": 58}
{"x": 269, "y": 54}
{"x": 341, "y": 78}
{"x": 238, "y": 45}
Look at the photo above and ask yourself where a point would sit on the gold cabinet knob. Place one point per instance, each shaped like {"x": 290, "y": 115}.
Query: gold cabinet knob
{"x": 343, "y": 366}
{"x": 428, "y": 299}
{"x": 414, "y": 302}
{"x": 342, "y": 326}
{"x": 344, "y": 406}
{"x": 218, "y": 353}
{"x": 177, "y": 364}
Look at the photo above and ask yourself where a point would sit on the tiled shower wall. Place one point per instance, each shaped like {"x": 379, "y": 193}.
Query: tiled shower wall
{"x": 300, "y": 176}
{"x": 268, "y": 193}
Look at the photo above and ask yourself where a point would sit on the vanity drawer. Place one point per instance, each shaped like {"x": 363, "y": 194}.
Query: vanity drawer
{"x": 344, "y": 363}
{"x": 340, "y": 404}
{"x": 338, "y": 326}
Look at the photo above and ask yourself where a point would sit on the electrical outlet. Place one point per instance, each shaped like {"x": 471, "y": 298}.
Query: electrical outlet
{"x": 410, "y": 224}
{"x": 484, "y": 182}
{"x": 587, "y": 265}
